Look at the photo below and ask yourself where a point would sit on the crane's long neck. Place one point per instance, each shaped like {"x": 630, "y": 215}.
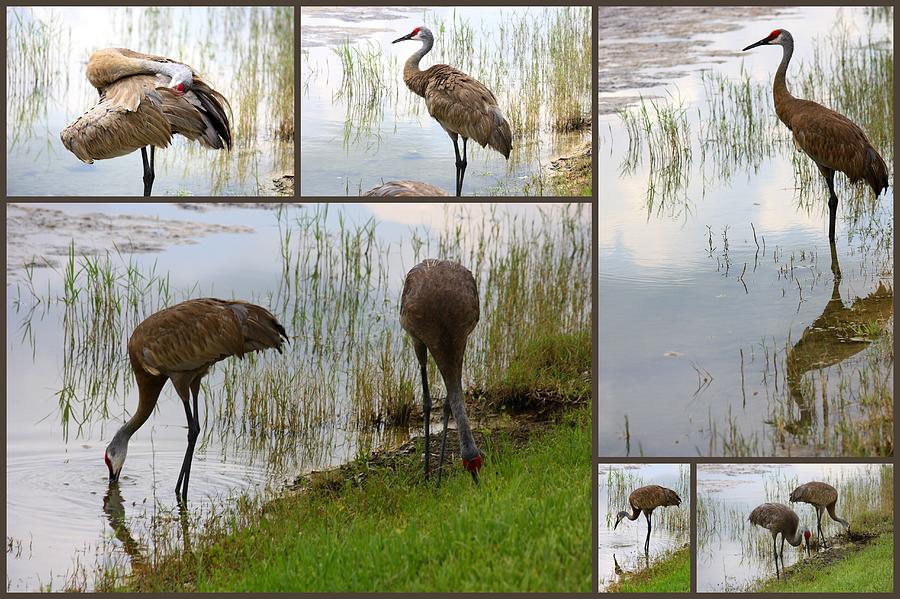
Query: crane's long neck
{"x": 467, "y": 445}
{"x": 413, "y": 76}
{"x": 110, "y": 65}
{"x": 780, "y": 89}
{"x": 149, "y": 388}
{"x": 796, "y": 539}
{"x": 635, "y": 512}
{"x": 837, "y": 518}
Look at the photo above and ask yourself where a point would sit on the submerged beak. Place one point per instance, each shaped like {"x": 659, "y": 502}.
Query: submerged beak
{"x": 764, "y": 41}
{"x": 401, "y": 39}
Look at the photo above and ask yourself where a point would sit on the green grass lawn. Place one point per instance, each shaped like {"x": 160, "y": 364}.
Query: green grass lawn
{"x": 869, "y": 570}
{"x": 670, "y": 575}
{"x": 526, "y": 527}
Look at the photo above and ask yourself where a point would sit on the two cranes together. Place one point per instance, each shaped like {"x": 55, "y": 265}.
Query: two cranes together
{"x": 439, "y": 308}
{"x": 779, "y": 519}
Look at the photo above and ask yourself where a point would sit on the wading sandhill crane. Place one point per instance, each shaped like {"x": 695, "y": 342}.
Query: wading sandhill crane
{"x": 832, "y": 140}
{"x": 181, "y": 343}
{"x": 823, "y": 497}
{"x": 463, "y": 106}
{"x": 646, "y": 499}
{"x": 144, "y": 101}
{"x": 780, "y": 519}
{"x": 405, "y": 188}
{"x": 439, "y": 308}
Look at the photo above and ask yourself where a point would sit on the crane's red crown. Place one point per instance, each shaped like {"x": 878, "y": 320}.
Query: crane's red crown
{"x": 473, "y": 465}
{"x": 807, "y": 534}
{"x": 415, "y": 31}
{"x": 774, "y": 34}
{"x": 180, "y": 87}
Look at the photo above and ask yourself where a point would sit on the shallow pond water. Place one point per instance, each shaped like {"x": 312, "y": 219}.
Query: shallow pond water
{"x": 246, "y": 53}
{"x": 70, "y": 386}
{"x": 362, "y": 127}
{"x": 722, "y": 308}
{"x": 732, "y": 554}
{"x": 622, "y": 549}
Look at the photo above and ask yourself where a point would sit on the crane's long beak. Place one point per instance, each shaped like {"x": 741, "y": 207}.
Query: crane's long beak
{"x": 761, "y": 42}
{"x": 474, "y": 476}
{"x": 401, "y": 39}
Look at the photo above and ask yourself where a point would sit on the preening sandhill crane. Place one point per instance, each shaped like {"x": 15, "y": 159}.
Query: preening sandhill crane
{"x": 439, "y": 308}
{"x": 646, "y": 499}
{"x": 181, "y": 343}
{"x": 780, "y": 519}
{"x": 823, "y": 497}
{"x": 144, "y": 101}
{"x": 404, "y": 189}
{"x": 462, "y": 105}
{"x": 833, "y": 141}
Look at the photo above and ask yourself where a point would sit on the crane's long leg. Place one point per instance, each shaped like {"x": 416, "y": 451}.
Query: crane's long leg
{"x": 775, "y": 553}
{"x": 819, "y": 527}
{"x": 148, "y": 170}
{"x": 832, "y": 199}
{"x": 446, "y": 421}
{"x": 422, "y": 356}
{"x": 782, "y": 556}
{"x": 648, "y": 515}
{"x": 462, "y": 172}
{"x": 459, "y": 165}
{"x": 184, "y": 389}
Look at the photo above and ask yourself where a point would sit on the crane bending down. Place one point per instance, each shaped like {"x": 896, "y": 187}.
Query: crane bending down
{"x": 834, "y": 142}
{"x": 439, "y": 308}
{"x": 144, "y": 101}
{"x": 823, "y": 497}
{"x": 180, "y": 344}
{"x": 405, "y": 188}
{"x": 646, "y": 499}
{"x": 780, "y": 519}
{"x": 463, "y": 106}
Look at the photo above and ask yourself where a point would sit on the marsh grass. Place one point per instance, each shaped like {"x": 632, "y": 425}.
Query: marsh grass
{"x": 620, "y": 482}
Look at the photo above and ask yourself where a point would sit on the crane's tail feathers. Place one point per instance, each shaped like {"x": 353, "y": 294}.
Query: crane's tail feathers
{"x": 260, "y": 328}
{"x": 671, "y": 498}
{"x": 876, "y": 173}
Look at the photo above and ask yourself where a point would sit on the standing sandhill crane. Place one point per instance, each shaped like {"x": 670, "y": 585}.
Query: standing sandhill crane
{"x": 144, "y": 101}
{"x": 405, "y": 188}
{"x": 439, "y": 308}
{"x": 780, "y": 519}
{"x": 823, "y": 497}
{"x": 180, "y": 344}
{"x": 462, "y": 105}
{"x": 646, "y": 499}
{"x": 832, "y": 140}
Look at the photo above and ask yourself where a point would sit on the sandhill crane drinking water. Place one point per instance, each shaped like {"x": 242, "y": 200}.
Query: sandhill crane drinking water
{"x": 181, "y": 343}
{"x": 646, "y": 499}
{"x": 462, "y": 105}
{"x": 144, "y": 101}
{"x": 780, "y": 519}
{"x": 823, "y": 497}
{"x": 439, "y": 308}
{"x": 832, "y": 140}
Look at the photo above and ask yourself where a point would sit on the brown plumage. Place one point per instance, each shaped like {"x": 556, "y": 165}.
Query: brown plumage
{"x": 823, "y": 497}
{"x": 778, "y": 519}
{"x": 439, "y": 308}
{"x": 405, "y": 189}
{"x": 461, "y": 104}
{"x": 144, "y": 101}
{"x": 832, "y": 140}
{"x": 646, "y": 499}
{"x": 180, "y": 344}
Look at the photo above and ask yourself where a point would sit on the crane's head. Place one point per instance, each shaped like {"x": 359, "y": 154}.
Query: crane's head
{"x": 420, "y": 34}
{"x": 115, "y": 455}
{"x": 473, "y": 465}
{"x": 806, "y": 535}
{"x": 182, "y": 79}
{"x": 778, "y": 37}
{"x": 619, "y": 517}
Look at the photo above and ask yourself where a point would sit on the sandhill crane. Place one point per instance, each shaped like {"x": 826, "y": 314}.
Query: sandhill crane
{"x": 144, "y": 101}
{"x": 646, "y": 499}
{"x": 181, "y": 343}
{"x": 823, "y": 497}
{"x": 780, "y": 519}
{"x": 405, "y": 188}
{"x": 832, "y": 140}
{"x": 462, "y": 105}
{"x": 439, "y": 308}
